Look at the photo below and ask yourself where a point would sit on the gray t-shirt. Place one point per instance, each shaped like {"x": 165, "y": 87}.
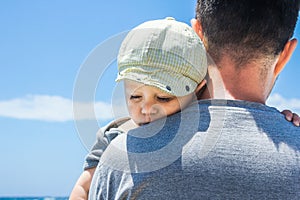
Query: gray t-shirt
{"x": 103, "y": 137}
{"x": 217, "y": 149}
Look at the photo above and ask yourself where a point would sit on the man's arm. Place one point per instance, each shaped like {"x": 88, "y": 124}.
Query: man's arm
{"x": 82, "y": 186}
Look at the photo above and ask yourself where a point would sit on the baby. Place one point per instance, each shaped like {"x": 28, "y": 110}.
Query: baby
{"x": 163, "y": 65}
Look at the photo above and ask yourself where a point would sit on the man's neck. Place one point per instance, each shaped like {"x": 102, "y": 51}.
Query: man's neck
{"x": 228, "y": 82}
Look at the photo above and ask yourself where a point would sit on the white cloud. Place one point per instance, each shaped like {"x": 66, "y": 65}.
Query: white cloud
{"x": 60, "y": 109}
{"x": 281, "y": 103}
{"x": 53, "y": 108}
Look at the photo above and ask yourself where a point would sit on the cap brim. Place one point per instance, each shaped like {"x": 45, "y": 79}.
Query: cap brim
{"x": 174, "y": 84}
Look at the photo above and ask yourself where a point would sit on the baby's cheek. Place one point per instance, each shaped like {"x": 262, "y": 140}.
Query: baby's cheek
{"x": 171, "y": 110}
{"x": 133, "y": 111}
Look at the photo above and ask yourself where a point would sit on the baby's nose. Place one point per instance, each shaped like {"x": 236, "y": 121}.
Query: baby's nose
{"x": 149, "y": 108}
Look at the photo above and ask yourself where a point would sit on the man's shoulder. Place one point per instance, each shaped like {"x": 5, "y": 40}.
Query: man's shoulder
{"x": 235, "y": 104}
{"x": 238, "y": 108}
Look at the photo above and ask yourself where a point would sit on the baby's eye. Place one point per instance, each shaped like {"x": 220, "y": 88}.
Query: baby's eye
{"x": 133, "y": 97}
{"x": 164, "y": 99}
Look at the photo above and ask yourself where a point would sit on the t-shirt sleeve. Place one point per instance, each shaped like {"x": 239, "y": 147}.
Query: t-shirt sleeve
{"x": 92, "y": 158}
{"x": 103, "y": 139}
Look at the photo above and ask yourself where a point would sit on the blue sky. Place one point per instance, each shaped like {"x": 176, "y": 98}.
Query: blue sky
{"x": 43, "y": 44}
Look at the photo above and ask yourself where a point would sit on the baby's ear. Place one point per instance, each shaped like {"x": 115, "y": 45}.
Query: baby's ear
{"x": 200, "y": 89}
{"x": 200, "y": 85}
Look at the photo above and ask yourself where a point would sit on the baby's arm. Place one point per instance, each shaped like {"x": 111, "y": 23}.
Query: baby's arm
{"x": 104, "y": 136}
{"x": 82, "y": 186}
{"x": 291, "y": 117}
{"x": 81, "y": 189}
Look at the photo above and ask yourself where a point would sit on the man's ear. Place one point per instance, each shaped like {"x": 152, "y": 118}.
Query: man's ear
{"x": 285, "y": 56}
{"x": 196, "y": 25}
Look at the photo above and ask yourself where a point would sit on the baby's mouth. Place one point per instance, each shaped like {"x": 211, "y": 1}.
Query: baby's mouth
{"x": 144, "y": 123}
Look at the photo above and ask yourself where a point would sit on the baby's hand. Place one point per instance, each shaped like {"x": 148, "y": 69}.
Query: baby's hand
{"x": 291, "y": 117}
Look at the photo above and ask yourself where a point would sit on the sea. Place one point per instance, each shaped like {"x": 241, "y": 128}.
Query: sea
{"x": 34, "y": 198}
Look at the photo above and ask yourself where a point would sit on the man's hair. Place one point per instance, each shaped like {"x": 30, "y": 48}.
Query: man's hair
{"x": 246, "y": 29}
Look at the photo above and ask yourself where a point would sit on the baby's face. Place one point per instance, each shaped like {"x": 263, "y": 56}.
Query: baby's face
{"x": 147, "y": 103}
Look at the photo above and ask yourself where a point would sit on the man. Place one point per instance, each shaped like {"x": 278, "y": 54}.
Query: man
{"x": 233, "y": 146}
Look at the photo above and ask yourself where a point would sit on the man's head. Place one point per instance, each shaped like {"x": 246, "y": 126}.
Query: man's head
{"x": 250, "y": 42}
{"x": 246, "y": 28}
